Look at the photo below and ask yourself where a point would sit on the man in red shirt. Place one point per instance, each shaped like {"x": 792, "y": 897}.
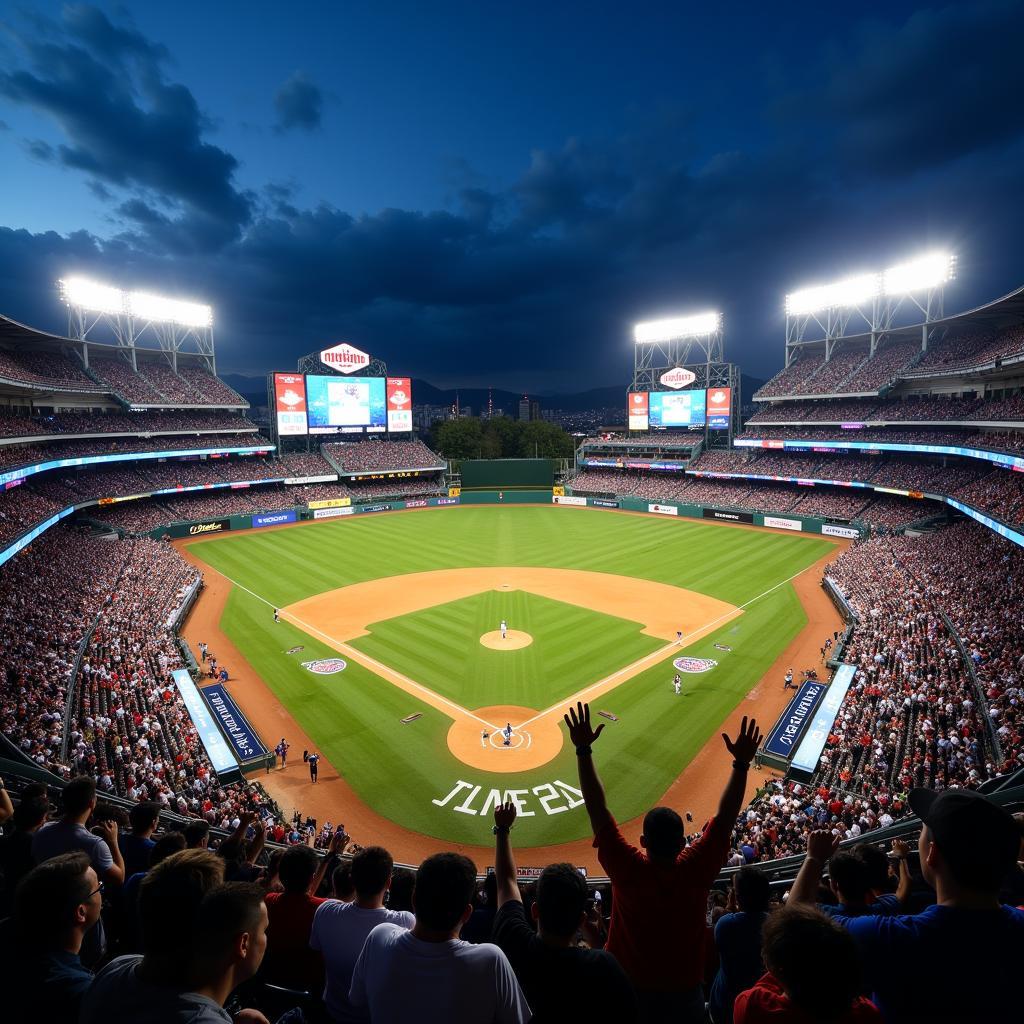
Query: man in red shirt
{"x": 289, "y": 960}
{"x": 659, "y": 897}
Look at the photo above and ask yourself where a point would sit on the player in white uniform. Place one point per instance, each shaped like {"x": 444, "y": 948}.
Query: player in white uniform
{"x": 677, "y": 684}
{"x": 504, "y": 630}
{"x": 679, "y": 636}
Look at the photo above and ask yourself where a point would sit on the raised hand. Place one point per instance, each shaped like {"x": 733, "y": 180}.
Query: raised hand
{"x": 744, "y": 747}
{"x": 900, "y": 849}
{"x": 821, "y": 844}
{"x": 505, "y": 815}
{"x": 580, "y": 732}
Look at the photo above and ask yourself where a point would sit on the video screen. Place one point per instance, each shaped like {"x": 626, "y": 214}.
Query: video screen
{"x": 290, "y": 398}
{"x": 346, "y": 404}
{"x": 677, "y": 408}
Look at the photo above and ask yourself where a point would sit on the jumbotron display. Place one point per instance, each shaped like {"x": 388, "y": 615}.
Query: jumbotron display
{"x": 654, "y": 410}
{"x": 322, "y": 404}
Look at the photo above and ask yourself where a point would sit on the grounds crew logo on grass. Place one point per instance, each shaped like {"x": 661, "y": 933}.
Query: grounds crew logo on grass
{"x": 326, "y": 666}
{"x": 694, "y": 665}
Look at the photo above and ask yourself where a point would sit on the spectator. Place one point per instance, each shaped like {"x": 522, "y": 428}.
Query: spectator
{"x": 16, "y": 858}
{"x": 289, "y": 961}
{"x": 813, "y": 975}
{"x": 197, "y": 834}
{"x": 147, "y": 989}
{"x": 401, "y": 975}
{"x": 57, "y": 903}
{"x": 738, "y": 941}
{"x": 340, "y": 928}
{"x": 69, "y": 833}
{"x": 668, "y": 882}
{"x": 561, "y": 981}
{"x": 341, "y": 882}
{"x": 229, "y": 945}
{"x": 166, "y": 846}
{"x": 967, "y": 846}
{"x": 138, "y": 845}
{"x": 403, "y": 881}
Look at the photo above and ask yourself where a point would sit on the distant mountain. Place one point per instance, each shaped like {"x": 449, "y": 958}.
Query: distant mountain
{"x": 254, "y": 389}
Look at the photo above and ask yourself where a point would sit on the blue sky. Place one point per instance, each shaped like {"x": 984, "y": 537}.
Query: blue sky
{"x": 491, "y": 194}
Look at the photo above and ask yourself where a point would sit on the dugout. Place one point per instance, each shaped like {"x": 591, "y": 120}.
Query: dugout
{"x": 517, "y": 481}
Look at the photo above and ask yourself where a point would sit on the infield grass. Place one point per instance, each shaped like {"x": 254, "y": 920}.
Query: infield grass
{"x": 400, "y": 770}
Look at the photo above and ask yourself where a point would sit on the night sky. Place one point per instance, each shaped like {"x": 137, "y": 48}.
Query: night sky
{"x": 492, "y": 194}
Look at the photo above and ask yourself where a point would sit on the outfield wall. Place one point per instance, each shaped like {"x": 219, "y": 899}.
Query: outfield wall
{"x": 774, "y": 521}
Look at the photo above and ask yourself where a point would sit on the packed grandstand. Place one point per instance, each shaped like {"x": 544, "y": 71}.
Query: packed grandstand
{"x": 91, "y": 597}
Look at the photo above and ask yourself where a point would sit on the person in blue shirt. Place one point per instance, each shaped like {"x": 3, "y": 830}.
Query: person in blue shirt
{"x": 960, "y": 958}
{"x": 738, "y": 940}
{"x": 850, "y": 878}
{"x": 137, "y": 846}
{"x": 55, "y": 905}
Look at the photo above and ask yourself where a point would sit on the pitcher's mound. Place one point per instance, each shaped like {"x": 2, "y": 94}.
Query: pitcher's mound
{"x": 514, "y": 640}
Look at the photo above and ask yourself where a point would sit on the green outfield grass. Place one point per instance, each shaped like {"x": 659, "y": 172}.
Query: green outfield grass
{"x": 572, "y": 647}
{"x": 401, "y": 770}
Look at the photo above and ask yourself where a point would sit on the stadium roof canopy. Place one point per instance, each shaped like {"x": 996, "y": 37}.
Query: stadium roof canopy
{"x": 19, "y": 334}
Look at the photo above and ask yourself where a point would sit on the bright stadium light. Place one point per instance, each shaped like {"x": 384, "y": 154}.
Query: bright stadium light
{"x": 677, "y": 327}
{"x": 851, "y": 291}
{"x": 146, "y": 306}
{"x": 91, "y": 295}
{"x": 918, "y": 275}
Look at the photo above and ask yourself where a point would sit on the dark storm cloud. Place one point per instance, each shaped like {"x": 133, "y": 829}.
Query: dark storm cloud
{"x": 127, "y": 126}
{"x": 946, "y": 83}
{"x": 298, "y": 104}
{"x": 544, "y": 276}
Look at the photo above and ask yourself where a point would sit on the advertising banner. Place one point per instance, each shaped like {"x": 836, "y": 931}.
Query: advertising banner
{"x": 783, "y": 524}
{"x": 331, "y": 503}
{"x": 290, "y": 403}
{"x": 236, "y": 728}
{"x": 217, "y": 526}
{"x": 558, "y": 490}
{"x": 344, "y": 357}
{"x": 783, "y": 737}
{"x": 418, "y": 503}
{"x": 637, "y": 410}
{"x": 730, "y": 517}
{"x": 811, "y": 746}
{"x": 677, "y": 378}
{"x": 604, "y": 503}
{"x": 831, "y": 530}
{"x": 665, "y": 510}
{"x": 568, "y": 499}
{"x": 449, "y": 501}
{"x": 325, "y": 479}
{"x": 454, "y": 492}
{"x": 379, "y": 507}
{"x": 719, "y": 408}
{"x": 275, "y": 518}
{"x": 330, "y": 513}
{"x": 399, "y": 391}
{"x": 214, "y": 743}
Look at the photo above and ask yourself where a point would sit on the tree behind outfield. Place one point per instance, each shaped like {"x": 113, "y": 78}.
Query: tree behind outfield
{"x": 501, "y": 438}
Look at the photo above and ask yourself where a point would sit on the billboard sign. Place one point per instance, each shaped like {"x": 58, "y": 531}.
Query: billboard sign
{"x": 345, "y": 358}
{"x": 781, "y": 741}
{"x": 677, "y": 378}
{"x": 233, "y": 724}
{"x": 831, "y": 530}
{"x": 331, "y": 503}
{"x": 676, "y": 409}
{"x": 216, "y": 747}
{"x": 399, "y": 390}
{"x": 275, "y": 518}
{"x": 719, "y": 408}
{"x": 568, "y": 499}
{"x": 638, "y": 410}
{"x": 778, "y": 523}
{"x": 664, "y": 510}
{"x": 729, "y": 517}
{"x": 813, "y": 743}
{"x": 290, "y": 403}
{"x": 217, "y": 526}
{"x": 331, "y": 513}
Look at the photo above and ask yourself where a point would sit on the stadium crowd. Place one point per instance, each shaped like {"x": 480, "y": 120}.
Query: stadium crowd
{"x": 375, "y": 454}
{"x": 15, "y": 423}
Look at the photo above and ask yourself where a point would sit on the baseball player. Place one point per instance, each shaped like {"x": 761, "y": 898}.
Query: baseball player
{"x": 314, "y": 760}
{"x": 504, "y": 630}
{"x": 679, "y": 636}
{"x": 282, "y": 752}
{"x": 789, "y": 681}
{"x": 677, "y": 684}
{"x": 507, "y": 733}
{"x": 484, "y": 737}
{"x": 277, "y": 618}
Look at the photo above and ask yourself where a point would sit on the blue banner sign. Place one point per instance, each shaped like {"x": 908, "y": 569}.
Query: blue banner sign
{"x": 275, "y": 518}
{"x": 783, "y": 738}
{"x": 217, "y": 749}
{"x": 809, "y": 752}
{"x": 236, "y": 728}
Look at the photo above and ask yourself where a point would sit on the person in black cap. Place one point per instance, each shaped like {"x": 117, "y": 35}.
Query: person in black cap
{"x": 960, "y": 958}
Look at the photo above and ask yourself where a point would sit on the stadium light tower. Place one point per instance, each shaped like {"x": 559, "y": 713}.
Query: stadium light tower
{"x": 134, "y": 316}
{"x": 661, "y": 345}
{"x": 872, "y": 300}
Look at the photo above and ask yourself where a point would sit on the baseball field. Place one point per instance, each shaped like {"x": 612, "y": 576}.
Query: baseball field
{"x": 389, "y": 656}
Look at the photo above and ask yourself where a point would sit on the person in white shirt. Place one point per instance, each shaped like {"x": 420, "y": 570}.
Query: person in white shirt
{"x": 340, "y": 929}
{"x": 429, "y": 974}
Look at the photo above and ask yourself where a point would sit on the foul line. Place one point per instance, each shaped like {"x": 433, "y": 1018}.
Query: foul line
{"x": 366, "y": 660}
{"x": 658, "y": 654}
